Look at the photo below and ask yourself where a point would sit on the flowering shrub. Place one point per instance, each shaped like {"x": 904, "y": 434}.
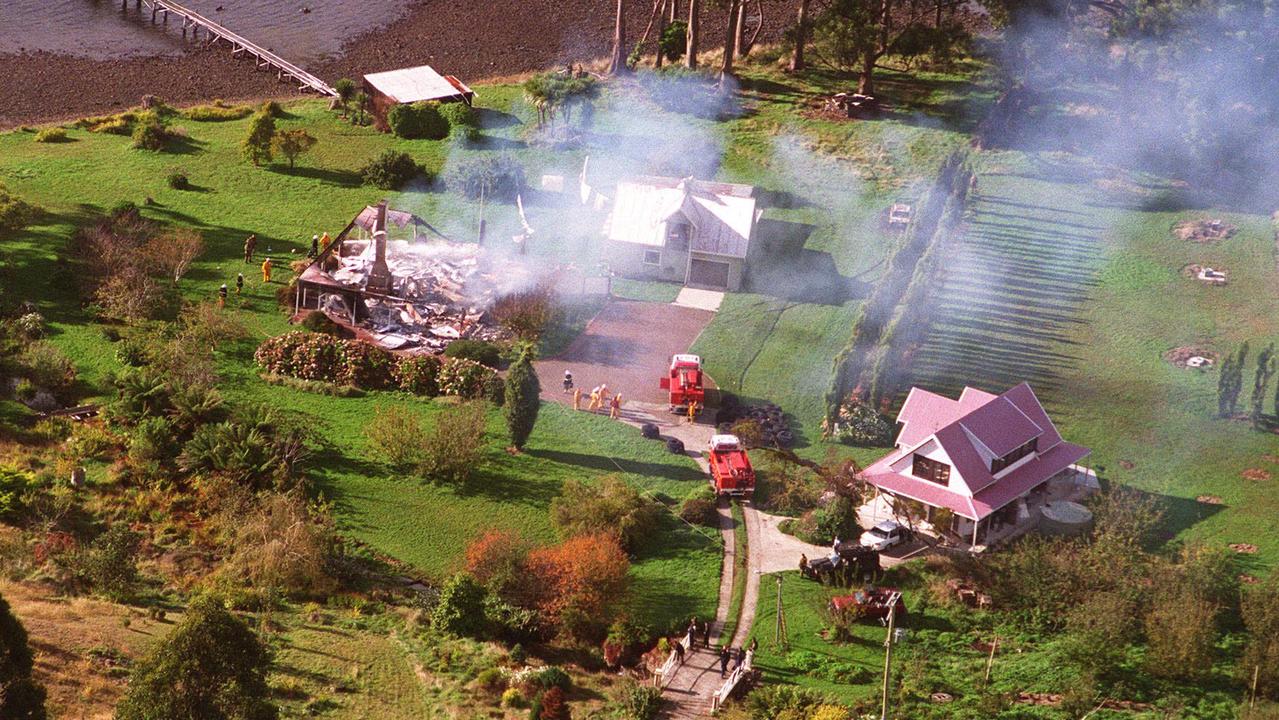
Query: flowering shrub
{"x": 314, "y": 356}
{"x": 464, "y": 378}
{"x": 419, "y": 374}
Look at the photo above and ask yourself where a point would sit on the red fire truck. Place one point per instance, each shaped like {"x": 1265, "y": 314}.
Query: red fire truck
{"x": 684, "y": 381}
{"x": 731, "y": 470}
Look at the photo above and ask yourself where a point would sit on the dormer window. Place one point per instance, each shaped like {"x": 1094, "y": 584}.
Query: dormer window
{"x": 929, "y": 469}
{"x": 999, "y": 464}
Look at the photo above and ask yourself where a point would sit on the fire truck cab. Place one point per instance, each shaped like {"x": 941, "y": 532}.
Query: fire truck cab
{"x": 731, "y": 471}
{"x": 684, "y": 381}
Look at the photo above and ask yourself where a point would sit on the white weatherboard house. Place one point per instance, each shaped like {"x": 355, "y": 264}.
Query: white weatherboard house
{"x": 690, "y": 231}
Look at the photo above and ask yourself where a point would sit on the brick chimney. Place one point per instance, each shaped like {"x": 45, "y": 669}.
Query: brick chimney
{"x": 380, "y": 278}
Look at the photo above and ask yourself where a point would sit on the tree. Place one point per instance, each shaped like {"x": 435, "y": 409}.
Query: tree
{"x": 554, "y": 707}
{"x": 584, "y": 577}
{"x": 526, "y": 313}
{"x": 857, "y": 33}
{"x": 361, "y": 100}
{"x": 1181, "y": 629}
{"x": 460, "y": 609}
{"x": 282, "y": 546}
{"x": 210, "y": 667}
{"x": 523, "y": 399}
{"x": 1261, "y": 380}
{"x": 730, "y": 37}
{"x": 801, "y": 37}
{"x": 617, "y": 65}
{"x": 694, "y": 32}
{"x": 292, "y": 143}
{"x": 110, "y": 565}
{"x": 173, "y": 252}
{"x": 21, "y": 698}
{"x": 497, "y": 559}
{"x": 257, "y": 144}
{"x": 345, "y": 88}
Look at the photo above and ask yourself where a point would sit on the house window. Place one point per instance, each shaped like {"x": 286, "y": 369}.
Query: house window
{"x": 926, "y": 469}
{"x": 652, "y": 257}
{"x": 1001, "y": 463}
{"x": 677, "y": 236}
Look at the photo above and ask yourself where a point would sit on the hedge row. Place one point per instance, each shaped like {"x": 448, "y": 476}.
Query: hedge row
{"x": 321, "y": 357}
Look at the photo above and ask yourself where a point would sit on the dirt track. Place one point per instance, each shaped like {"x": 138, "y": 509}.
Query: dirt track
{"x": 473, "y": 40}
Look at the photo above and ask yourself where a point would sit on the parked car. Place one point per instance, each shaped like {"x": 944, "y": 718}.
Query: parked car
{"x": 885, "y": 535}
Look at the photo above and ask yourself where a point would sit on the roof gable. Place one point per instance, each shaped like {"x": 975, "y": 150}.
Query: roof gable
{"x": 723, "y": 214}
{"x": 1000, "y": 426}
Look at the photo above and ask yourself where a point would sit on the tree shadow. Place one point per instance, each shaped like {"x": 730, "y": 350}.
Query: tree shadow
{"x": 491, "y": 119}
{"x": 340, "y": 178}
{"x": 786, "y": 269}
{"x": 612, "y": 465}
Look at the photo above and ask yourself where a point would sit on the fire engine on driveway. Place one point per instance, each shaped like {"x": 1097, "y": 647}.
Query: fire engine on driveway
{"x": 684, "y": 381}
{"x": 731, "y": 471}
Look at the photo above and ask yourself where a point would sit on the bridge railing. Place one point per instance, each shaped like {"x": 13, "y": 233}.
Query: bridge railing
{"x": 739, "y": 672}
{"x": 663, "y": 676}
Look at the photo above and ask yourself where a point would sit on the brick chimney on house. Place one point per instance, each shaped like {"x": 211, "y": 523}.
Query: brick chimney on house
{"x": 380, "y": 278}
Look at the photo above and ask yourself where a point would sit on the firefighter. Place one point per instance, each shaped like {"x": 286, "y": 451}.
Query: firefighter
{"x": 266, "y": 270}
{"x": 577, "y": 398}
{"x": 615, "y": 407}
{"x": 222, "y": 296}
{"x": 692, "y": 411}
{"x": 315, "y": 246}
{"x": 250, "y": 245}
{"x": 568, "y": 382}
{"x": 598, "y": 394}
{"x": 325, "y": 240}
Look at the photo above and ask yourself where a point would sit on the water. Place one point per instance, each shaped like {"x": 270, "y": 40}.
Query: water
{"x": 98, "y": 29}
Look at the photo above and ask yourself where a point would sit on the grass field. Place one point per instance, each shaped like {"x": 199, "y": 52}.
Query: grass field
{"x": 1070, "y": 286}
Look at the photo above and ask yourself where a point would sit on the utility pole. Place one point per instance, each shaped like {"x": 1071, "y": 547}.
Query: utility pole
{"x": 990, "y": 661}
{"x": 888, "y": 659}
{"x": 779, "y": 632}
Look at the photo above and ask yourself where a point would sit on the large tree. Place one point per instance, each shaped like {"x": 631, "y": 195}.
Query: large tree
{"x": 730, "y": 37}
{"x": 801, "y": 37}
{"x": 210, "y": 667}
{"x": 694, "y": 33}
{"x": 618, "y": 66}
{"x": 21, "y": 698}
{"x": 856, "y": 34}
{"x": 523, "y": 397}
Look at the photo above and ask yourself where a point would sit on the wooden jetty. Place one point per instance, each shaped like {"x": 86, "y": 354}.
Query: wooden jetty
{"x": 214, "y": 32}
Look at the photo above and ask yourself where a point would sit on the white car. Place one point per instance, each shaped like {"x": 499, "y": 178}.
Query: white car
{"x": 884, "y": 535}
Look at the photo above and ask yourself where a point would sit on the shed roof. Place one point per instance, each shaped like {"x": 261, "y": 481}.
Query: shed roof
{"x": 416, "y": 84}
{"x": 723, "y": 214}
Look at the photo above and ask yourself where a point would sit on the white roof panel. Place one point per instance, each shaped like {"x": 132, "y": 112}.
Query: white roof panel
{"x": 413, "y": 84}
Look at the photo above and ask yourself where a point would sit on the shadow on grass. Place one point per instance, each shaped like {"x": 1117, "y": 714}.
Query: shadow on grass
{"x": 615, "y": 465}
{"x": 340, "y": 178}
{"x": 792, "y": 272}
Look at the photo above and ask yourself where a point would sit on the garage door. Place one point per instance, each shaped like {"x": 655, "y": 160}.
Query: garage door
{"x": 708, "y": 273}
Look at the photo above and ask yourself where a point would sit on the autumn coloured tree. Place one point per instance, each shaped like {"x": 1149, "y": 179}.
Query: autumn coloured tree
{"x": 498, "y": 559}
{"x": 584, "y": 578}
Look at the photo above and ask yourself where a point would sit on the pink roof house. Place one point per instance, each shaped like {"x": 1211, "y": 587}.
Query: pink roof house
{"x": 976, "y": 456}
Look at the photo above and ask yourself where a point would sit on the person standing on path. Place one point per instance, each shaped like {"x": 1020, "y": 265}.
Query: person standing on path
{"x": 706, "y": 633}
{"x": 315, "y": 246}
{"x": 222, "y": 296}
{"x": 577, "y": 398}
{"x": 239, "y": 283}
{"x": 250, "y": 245}
{"x": 568, "y": 382}
{"x": 266, "y": 270}
{"x": 723, "y": 660}
{"x": 679, "y": 653}
{"x": 615, "y": 407}
{"x": 692, "y": 411}
{"x": 693, "y": 631}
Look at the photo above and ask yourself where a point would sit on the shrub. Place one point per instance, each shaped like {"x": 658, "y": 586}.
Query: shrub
{"x": 583, "y": 579}
{"x": 862, "y": 425}
{"x": 150, "y": 135}
{"x": 178, "y": 180}
{"x": 13, "y": 485}
{"x": 114, "y": 126}
{"x": 292, "y": 144}
{"x": 513, "y": 698}
{"x": 674, "y": 40}
{"x": 498, "y": 177}
{"x": 518, "y": 655}
{"x": 110, "y": 565}
{"x": 1260, "y": 612}
{"x": 455, "y": 446}
{"x": 837, "y": 519}
{"x": 256, "y": 145}
{"x": 418, "y": 374}
{"x": 272, "y": 108}
{"x": 363, "y": 365}
{"x": 509, "y": 622}
{"x": 390, "y": 170}
{"x": 553, "y": 706}
{"x": 527, "y": 313}
{"x": 498, "y": 559}
{"x": 210, "y": 665}
{"x": 481, "y": 351}
{"x": 640, "y": 702}
{"x": 464, "y": 378}
{"x": 769, "y": 702}
{"x": 463, "y": 121}
{"x": 460, "y": 609}
{"x": 49, "y": 367}
{"x": 420, "y": 120}
{"x": 51, "y": 135}
{"x": 1181, "y": 631}
{"x": 282, "y": 544}
{"x": 699, "y": 511}
{"x": 491, "y": 680}
{"x": 318, "y": 322}
{"x": 238, "y": 451}
{"x": 396, "y": 433}
{"x": 218, "y": 111}
{"x": 15, "y": 214}
{"x": 612, "y": 508}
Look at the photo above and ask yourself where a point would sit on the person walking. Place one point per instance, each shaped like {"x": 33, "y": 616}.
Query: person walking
{"x": 239, "y": 283}
{"x": 706, "y": 633}
{"x": 568, "y": 382}
{"x": 222, "y": 296}
{"x": 615, "y": 407}
{"x": 266, "y": 270}
{"x": 250, "y": 245}
{"x": 724, "y": 655}
{"x": 679, "y": 653}
{"x": 577, "y": 398}
{"x": 315, "y": 246}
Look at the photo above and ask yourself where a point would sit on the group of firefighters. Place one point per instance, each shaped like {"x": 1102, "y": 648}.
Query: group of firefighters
{"x": 250, "y": 247}
{"x": 600, "y": 397}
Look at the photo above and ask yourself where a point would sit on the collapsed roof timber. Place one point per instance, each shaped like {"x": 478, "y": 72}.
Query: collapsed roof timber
{"x": 403, "y": 290}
